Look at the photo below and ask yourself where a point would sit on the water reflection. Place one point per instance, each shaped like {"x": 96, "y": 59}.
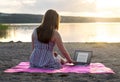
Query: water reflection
{"x": 70, "y": 32}
{"x": 107, "y": 32}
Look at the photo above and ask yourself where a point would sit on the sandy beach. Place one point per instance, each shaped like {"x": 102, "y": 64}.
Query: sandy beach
{"x": 12, "y": 53}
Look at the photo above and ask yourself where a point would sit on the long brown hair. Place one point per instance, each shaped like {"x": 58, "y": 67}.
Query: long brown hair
{"x": 49, "y": 23}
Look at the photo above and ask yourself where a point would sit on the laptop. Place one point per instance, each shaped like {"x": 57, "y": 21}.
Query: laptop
{"x": 82, "y": 57}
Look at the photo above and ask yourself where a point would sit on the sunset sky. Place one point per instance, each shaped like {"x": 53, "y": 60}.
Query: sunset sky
{"x": 100, "y": 8}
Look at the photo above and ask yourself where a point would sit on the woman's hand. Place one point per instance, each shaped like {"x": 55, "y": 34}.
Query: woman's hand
{"x": 70, "y": 61}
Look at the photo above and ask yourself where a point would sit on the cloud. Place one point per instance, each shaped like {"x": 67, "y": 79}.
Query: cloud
{"x": 40, "y": 6}
{"x": 29, "y": 2}
{"x": 14, "y": 6}
{"x": 66, "y": 7}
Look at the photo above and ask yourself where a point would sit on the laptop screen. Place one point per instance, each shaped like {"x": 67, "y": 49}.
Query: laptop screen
{"x": 83, "y": 57}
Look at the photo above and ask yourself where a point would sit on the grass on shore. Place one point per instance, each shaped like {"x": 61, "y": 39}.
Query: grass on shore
{"x": 3, "y": 30}
{"x": 3, "y": 27}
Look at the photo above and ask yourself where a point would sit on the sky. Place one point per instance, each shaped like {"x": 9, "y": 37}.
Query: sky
{"x": 99, "y": 8}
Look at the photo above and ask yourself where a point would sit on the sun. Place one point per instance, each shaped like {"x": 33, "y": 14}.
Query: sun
{"x": 107, "y": 4}
{"x": 106, "y": 8}
{"x": 90, "y": 1}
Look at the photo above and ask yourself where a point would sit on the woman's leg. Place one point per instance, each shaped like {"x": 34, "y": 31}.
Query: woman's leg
{"x": 61, "y": 59}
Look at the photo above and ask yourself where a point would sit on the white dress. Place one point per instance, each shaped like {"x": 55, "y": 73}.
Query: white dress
{"x": 42, "y": 55}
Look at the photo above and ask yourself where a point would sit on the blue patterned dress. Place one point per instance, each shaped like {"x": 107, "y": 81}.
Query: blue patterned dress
{"x": 42, "y": 55}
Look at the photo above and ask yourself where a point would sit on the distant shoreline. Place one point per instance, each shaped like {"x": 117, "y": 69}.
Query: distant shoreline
{"x": 32, "y": 18}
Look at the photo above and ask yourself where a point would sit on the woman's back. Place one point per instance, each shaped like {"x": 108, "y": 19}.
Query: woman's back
{"x": 42, "y": 55}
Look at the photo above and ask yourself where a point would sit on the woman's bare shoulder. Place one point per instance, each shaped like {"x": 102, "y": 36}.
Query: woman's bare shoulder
{"x": 56, "y": 33}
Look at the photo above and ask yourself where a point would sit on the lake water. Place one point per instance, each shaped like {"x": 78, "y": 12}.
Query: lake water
{"x": 70, "y": 32}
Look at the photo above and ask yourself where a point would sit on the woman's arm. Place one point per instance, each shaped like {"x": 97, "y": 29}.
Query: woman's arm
{"x": 61, "y": 47}
{"x": 32, "y": 42}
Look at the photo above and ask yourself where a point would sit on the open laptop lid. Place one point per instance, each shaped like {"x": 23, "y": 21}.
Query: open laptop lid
{"x": 82, "y": 57}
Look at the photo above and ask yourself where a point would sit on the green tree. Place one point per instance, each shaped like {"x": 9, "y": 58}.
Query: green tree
{"x": 3, "y": 30}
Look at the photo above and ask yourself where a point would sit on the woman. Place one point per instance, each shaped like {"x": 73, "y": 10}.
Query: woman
{"x": 44, "y": 39}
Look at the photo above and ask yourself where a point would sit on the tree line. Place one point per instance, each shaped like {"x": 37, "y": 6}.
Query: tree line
{"x": 32, "y": 18}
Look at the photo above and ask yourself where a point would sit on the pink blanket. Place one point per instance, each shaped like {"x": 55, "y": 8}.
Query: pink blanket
{"x": 92, "y": 68}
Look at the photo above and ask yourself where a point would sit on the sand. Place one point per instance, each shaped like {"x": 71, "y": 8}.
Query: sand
{"x": 12, "y": 53}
